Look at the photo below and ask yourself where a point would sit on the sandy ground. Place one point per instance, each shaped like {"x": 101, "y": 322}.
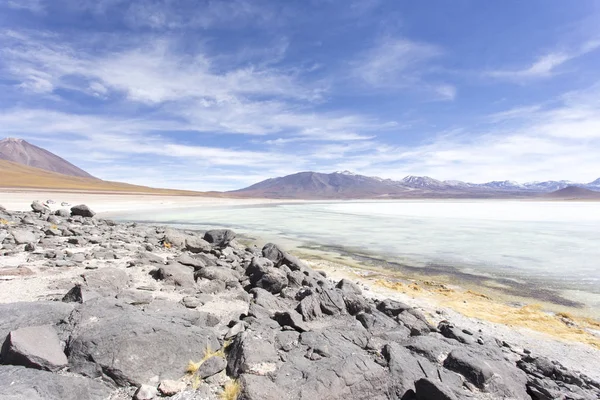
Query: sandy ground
{"x": 101, "y": 202}
{"x": 573, "y": 341}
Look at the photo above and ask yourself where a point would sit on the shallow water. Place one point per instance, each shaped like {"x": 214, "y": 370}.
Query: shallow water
{"x": 549, "y": 250}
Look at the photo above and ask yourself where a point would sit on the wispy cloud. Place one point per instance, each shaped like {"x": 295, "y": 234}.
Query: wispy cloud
{"x": 35, "y": 6}
{"x": 400, "y": 63}
{"x": 546, "y": 65}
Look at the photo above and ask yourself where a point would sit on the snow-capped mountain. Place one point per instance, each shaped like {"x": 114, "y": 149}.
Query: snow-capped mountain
{"x": 348, "y": 185}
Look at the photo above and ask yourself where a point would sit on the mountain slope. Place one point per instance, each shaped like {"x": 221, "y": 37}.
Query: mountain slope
{"x": 22, "y": 152}
{"x": 574, "y": 192}
{"x": 14, "y": 175}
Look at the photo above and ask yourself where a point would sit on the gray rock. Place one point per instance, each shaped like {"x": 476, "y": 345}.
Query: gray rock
{"x": 153, "y": 345}
{"x": 135, "y": 297}
{"x": 452, "y": 332}
{"x": 219, "y": 237}
{"x": 217, "y": 273}
{"x": 251, "y": 353}
{"x": 348, "y": 287}
{"x": 310, "y": 308}
{"x": 38, "y": 207}
{"x": 197, "y": 245}
{"x": 332, "y": 302}
{"x": 391, "y": 308}
{"x": 174, "y": 238}
{"x": 24, "y": 236}
{"x": 211, "y": 366}
{"x": 82, "y": 210}
{"x": 177, "y": 275}
{"x": 34, "y": 347}
{"x": 190, "y": 302}
{"x": 292, "y": 319}
{"x": 106, "y": 281}
{"x": 145, "y": 392}
{"x": 194, "y": 262}
{"x": 427, "y": 389}
{"x": 18, "y": 383}
{"x": 63, "y": 213}
{"x": 261, "y": 388}
{"x": 23, "y": 314}
{"x": 79, "y": 294}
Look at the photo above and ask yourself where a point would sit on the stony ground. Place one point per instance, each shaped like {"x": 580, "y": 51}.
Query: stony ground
{"x": 134, "y": 311}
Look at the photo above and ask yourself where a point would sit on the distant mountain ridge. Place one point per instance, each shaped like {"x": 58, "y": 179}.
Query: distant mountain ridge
{"x": 22, "y": 152}
{"x": 347, "y": 185}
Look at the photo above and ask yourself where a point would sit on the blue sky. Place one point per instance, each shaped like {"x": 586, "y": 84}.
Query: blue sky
{"x": 216, "y": 95}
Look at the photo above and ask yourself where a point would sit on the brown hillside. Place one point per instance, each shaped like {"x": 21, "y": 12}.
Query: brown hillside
{"x": 14, "y": 175}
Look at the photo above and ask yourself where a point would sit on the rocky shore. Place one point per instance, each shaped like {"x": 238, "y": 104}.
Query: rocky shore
{"x": 93, "y": 309}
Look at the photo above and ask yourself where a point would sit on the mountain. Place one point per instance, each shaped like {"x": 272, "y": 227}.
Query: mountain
{"x": 574, "y": 192}
{"x": 22, "y": 152}
{"x": 347, "y": 185}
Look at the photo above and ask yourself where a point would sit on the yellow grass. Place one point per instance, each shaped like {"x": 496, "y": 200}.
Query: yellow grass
{"x": 14, "y": 175}
{"x": 476, "y": 305}
{"x": 231, "y": 391}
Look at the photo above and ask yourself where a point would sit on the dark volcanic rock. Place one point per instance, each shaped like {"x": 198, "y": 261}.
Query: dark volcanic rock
{"x": 211, "y": 366}
{"x": 152, "y": 346}
{"x": 18, "y": 383}
{"x": 197, "y": 245}
{"x": 38, "y": 207}
{"x": 219, "y": 237}
{"x": 23, "y": 314}
{"x": 34, "y": 347}
{"x": 432, "y": 390}
{"x": 82, "y": 210}
{"x": 177, "y": 275}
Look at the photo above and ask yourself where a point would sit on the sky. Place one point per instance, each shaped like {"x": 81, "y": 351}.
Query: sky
{"x": 220, "y": 94}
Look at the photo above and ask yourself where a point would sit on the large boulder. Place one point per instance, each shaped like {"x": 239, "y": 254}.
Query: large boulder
{"x": 23, "y": 314}
{"x": 24, "y": 236}
{"x": 34, "y": 347}
{"x": 122, "y": 343}
{"x": 219, "y": 237}
{"x": 38, "y": 207}
{"x": 197, "y": 245}
{"x": 18, "y": 383}
{"x": 176, "y": 274}
{"x": 82, "y": 210}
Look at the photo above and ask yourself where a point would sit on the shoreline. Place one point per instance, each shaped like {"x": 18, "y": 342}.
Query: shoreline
{"x": 154, "y": 272}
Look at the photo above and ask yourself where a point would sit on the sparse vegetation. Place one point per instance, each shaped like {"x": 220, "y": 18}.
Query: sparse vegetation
{"x": 167, "y": 245}
{"x": 3, "y": 221}
{"x": 231, "y": 391}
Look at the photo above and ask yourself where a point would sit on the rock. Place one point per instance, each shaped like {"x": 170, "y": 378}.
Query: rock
{"x": 391, "y": 308}
{"x": 432, "y": 390}
{"x": 14, "y": 272}
{"x": 348, "y": 287}
{"x": 38, "y": 207}
{"x": 416, "y": 325}
{"x": 191, "y": 302}
{"x": 135, "y": 297}
{"x": 217, "y": 273}
{"x": 194, "y": 262}
{"x": 292, "y": 319}
{"x": 211, "y": 366}
{"x": 79, "y": 294}
{"x": 82, "y": 210}
{"x": 145, "y": 392}
{"x": 197, "y": 245}
{"x": 310, "y": 308}
{"x": 107, "y": 281}
{"x": 332, "y": 302}
{"x": 34, "y": 347}
{"x": 23, "y": 314}
{"x": 251, "y": 353}
{"x": 451, "y": 332}
{"x": 24, "y": 236}
{"x": 177, "y": 275}
{"x": 174, "y": 238}
{"x": 260, "y": 388}
{"x": 273, "y": 253}
{"x": 219, "y": 237}
{"x": 62, "y": 213}
{"x": 18, "y": 383}
{"x": 170, "y": 387}
{"x": 52, "y": 232}
{"x": 155, "y": 345}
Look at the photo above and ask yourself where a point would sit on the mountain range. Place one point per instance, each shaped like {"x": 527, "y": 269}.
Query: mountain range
{"x": 23, "y": 164}
{"x": 315, "y": 185}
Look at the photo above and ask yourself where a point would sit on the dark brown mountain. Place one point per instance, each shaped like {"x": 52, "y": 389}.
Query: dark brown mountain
{"x": 574, "y": 193}
{"x": 22, "y": 152}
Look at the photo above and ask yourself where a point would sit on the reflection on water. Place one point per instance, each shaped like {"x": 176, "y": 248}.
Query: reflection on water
{"x": 547, "y": 245}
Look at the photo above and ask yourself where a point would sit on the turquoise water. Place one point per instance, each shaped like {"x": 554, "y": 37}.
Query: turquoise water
{"x": 549, "y": 250}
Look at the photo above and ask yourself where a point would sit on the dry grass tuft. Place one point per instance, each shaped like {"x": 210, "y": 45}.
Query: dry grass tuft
{"x": 231, "y": 391}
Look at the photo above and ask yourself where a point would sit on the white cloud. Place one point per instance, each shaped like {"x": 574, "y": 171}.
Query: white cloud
{"x": 35, "y": 6}
{"x": 399, "y": 63}
{"x": 545, "y": 66}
